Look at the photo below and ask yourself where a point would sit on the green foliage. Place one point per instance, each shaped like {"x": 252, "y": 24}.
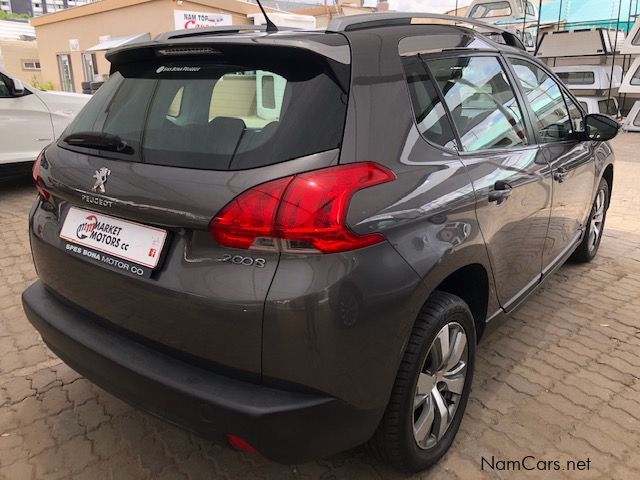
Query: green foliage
{"x": 13, "y": 16}
{"x": 42, "y": 85}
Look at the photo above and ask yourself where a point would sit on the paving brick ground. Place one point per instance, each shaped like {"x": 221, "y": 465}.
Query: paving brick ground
{"x": 560, "y": 381}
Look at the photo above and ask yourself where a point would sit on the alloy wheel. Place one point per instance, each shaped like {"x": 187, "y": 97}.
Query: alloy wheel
{"x": 440, "y": 385}
{"x": 597, "y": 219}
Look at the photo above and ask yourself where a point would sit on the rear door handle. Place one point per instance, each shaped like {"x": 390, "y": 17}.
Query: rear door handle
{"x": 501, "y": 191}
{"x": 560, "y": 174}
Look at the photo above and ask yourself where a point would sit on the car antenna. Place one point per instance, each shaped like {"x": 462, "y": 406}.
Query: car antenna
{"x": 271, "y": 27}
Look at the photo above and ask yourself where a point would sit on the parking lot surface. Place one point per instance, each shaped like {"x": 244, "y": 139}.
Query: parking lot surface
{"x": 557, "y": 385}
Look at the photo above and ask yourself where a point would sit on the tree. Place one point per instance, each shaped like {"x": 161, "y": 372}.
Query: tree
{"x": 13, "y": 16}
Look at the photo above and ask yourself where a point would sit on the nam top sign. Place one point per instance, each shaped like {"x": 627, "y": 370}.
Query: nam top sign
{"x": 184, "y": 19}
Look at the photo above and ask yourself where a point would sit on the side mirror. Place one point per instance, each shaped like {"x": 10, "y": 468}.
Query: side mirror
{"x": 18, "y": 87}
{"x": 600, "y": 127}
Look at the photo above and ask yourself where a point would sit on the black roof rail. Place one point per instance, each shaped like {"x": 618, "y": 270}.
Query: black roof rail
{"x": 381, "y": 19}
{"x": 207, "y": 31}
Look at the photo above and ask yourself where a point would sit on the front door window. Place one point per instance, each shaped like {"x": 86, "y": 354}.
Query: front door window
{"x": 553, "y": 123}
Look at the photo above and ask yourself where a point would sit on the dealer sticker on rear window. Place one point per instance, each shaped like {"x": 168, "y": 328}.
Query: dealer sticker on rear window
{"x": 123, "y": 239}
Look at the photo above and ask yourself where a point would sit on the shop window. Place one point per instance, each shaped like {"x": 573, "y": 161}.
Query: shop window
{"x": 90, "y": 66}
{"x": 66, "y": 73}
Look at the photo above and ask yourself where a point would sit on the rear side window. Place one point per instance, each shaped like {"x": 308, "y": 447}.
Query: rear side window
{"x": 431, "y": 116}
{"x": 242, "y": 110}
{"x": 481, "y": 101}
{"x": 551, "y": 114}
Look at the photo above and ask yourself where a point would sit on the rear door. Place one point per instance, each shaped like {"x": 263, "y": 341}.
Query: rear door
{"x": 190, "y": 138}
{"x": 558, "y": 122}
{"x": 25, "y": 124}
{"x": 510, "y": 177}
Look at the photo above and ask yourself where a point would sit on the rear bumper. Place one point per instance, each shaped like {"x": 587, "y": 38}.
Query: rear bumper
{"x": 285, "y": 426}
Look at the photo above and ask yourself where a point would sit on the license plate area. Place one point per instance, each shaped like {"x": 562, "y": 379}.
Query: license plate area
{"x": 116, "y": 243}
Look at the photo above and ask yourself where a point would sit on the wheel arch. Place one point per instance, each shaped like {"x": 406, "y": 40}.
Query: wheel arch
{"x": 471, "y": 284}
{"x": 468, "y": 275}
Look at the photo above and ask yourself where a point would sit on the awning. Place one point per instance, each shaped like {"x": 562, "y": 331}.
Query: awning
{"x": 114, "y": 42}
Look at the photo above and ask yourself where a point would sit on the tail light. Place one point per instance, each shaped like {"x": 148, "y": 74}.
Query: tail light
{"x": 304, "y": 212}
{"x": 37, "y": 179}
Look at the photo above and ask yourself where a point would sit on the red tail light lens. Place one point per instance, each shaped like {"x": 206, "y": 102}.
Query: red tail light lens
{"x": 37, "y": 179}
{"x": 250, "y": 216}
{"x": 305, "y": 212}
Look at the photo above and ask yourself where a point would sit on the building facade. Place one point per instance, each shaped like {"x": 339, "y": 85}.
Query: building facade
{"x": 20, "y": 59}
{"x": 19, "y": 51}
{"x": 72, "y": 43}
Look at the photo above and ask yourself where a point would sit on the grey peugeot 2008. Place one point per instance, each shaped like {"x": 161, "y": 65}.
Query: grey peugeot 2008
{"x": 295, "y": 239}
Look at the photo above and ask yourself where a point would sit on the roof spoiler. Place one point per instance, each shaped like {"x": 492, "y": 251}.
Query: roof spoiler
{"x": 381, "y": 19}
{"x": 208, "y": 31}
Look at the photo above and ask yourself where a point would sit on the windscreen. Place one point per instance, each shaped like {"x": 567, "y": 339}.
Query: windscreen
{"x": 222, "y": 112}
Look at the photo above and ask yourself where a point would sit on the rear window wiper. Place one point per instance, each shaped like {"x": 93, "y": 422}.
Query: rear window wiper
{"x": 98, "y": 140}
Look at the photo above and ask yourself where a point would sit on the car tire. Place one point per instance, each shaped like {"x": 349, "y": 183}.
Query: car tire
{"x": 400, "y": 439}
{"x": 588, "y": 248}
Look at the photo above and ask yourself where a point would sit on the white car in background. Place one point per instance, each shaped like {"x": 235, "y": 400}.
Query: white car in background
{"x": 30, "y": 119}
{"x": 607, "y": 106}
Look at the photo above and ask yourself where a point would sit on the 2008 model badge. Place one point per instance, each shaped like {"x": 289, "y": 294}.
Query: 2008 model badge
{"x": 101, "y": 177}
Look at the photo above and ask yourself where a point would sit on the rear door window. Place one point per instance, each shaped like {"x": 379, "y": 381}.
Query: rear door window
{"x": 237, "y": 112}
{"x": 481, "y": 101}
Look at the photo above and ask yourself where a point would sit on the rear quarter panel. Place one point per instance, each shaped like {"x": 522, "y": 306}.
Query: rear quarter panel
{"x": 428, "y": 217}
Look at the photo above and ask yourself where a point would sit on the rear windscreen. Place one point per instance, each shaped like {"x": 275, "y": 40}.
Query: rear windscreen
{"x": 223, "y": 112}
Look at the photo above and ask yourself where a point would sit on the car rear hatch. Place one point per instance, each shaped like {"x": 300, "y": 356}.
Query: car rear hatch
{"x": 128, "y": 192}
